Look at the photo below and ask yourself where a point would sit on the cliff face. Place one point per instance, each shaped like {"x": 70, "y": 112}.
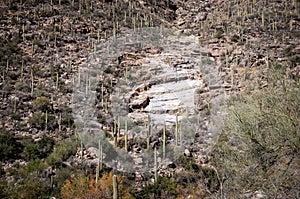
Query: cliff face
{"x": 45, "y": 43}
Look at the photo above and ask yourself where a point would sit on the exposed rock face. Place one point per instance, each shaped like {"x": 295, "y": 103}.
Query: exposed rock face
{"x": 170, "y": 90}
{"x": 139, "y": 102}
{"x": 152, "y": 88}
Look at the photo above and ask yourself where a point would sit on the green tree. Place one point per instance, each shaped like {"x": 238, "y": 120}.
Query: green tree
{"x": 259, "y": 148}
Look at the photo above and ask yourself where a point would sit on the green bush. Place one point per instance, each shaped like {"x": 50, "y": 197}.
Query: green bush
{"x": 28, "y": 188}
{"x": 10, "y": 148}
{"x": 164, "y": 188}
{"x": 38, "y": 150}
{"x": 42, "y": 104}
{"x": 45, "y": 146}
{"x": 62, "y": 151}
{"x": 38, "y": 120}
{"x": 31, "y": 152}
{"x": 259, "y": 146}
{"x": 59, "y": 179}
{"x": 219, "y": 33}
{"x": 36, "y": 166}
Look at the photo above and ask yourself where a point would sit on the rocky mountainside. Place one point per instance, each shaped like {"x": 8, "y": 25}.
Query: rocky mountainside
{"x": 45, "y": 45}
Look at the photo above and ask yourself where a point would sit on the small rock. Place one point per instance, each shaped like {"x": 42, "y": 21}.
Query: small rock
{"x": 172, "y": 165}
{"x": 179, "y": 23}
{"x": 67, "y": 164}
{"x": 201, "y": 16}
{"x": 155, "y": 144}
{"x": 217, "y": 53}
{"x": 258, "y": 195}
{"x": 139, "y": 103}
{"x": 136, "y": 149}
{"x": 92, "y": 153}
{"x": 187, "y": 153}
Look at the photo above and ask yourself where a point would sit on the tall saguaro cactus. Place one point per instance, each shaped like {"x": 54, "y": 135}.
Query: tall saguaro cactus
{"x": 164, "y": 142}
{"x": 46, "y": 120}
{"x": 126, "y": 136}
{"x": 99, "y": 166}
{"x": 32, "y": 81}
{"x": 155, "y": 165}
{"x": 119, "y": 127}
{"x": 115, "y": 187}
{"x": 115, "y": 133}
{"x": 149, "y": 132}
{"x": 102, "y": 95}
{"x": 176, "y": 130}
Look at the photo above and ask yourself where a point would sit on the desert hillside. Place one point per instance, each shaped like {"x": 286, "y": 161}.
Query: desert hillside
{"x": 149, "y": 99}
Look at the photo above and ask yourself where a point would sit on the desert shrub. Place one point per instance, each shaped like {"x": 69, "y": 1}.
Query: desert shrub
{"x": 39, "y": 149}
{"x": 188, "y": 163}
{"x": 62, "y": 174}
{"x": 3, "y": 187}
{"x": 195, "y": 175}
{"x": 235, "y": 38}
{"x": 75, "y": 188}
{"x": 259, "y": 147}
{"x": 164, "y": 188}
{"x": 42, "y": 104}
{"x": 219, "y": 33}
{"x": 38, "y": 120}
{"x": 36, "y": 165}
{"x": 10, "y": 148}
{"x": 27, "y": 188}
{"x": 45, "y": 146}
{"x": 68, "y": 120}
{"x": 83, "y": 187}
{"x": 62, "y": 151}
{"x": 31, "y": 152}
{"x": 23, "y": 86}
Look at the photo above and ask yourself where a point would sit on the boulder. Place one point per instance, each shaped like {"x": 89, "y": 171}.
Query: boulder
{"x": 187, "y": 153}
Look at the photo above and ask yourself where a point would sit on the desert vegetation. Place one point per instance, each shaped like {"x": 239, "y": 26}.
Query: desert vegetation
{"x": 254, "y": 46}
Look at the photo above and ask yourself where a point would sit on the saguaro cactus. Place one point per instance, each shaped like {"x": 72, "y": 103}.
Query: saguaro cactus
{"x": 126, "y": 136}
{"x": 180, "y": 135}
{"x": 81, "y": 150}
{"x": 57, "y": 81}
{"x": 176, "y": 130}
{"x": 100, "y": 156}
{"x": 102, "y": 94}
{"x": 23, "y": 29}
{"x": 115, "y": 134}
{"x": 164, "y": 142}
{"x": 119, "y": 126}
{"x": 59, "y": 122}
{"x": 115, "y": 187}
{"x": 126, "y": 142}
{"x": 263, "y": 18}
{"x": 46, "y": 120}
{"x": 32, "y": 81}
{"x": 149, "y": 132}
{"x": 155, "y": 166}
